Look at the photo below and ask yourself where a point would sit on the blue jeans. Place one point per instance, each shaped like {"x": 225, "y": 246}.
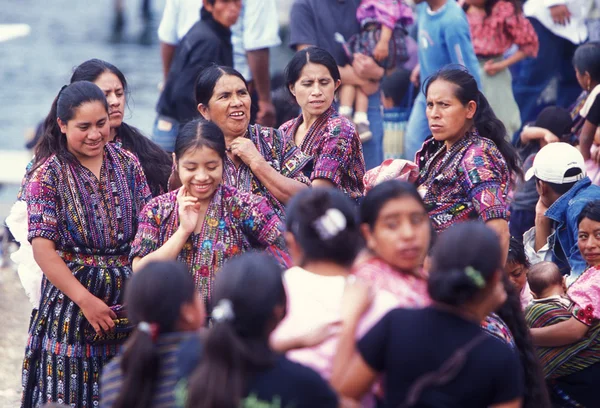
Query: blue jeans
{"x": 373, "y": 148}
{"x": 417, "y": 128}
{"x": 164, "y": 132}
{"x": 532, "y": 75}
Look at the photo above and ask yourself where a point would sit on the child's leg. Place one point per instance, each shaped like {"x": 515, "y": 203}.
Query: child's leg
{"x": 347, "y": 95}
{"x": 361, "y": 105}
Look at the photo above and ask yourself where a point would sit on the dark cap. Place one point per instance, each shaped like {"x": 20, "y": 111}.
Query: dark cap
{"x": 555, "y": 119}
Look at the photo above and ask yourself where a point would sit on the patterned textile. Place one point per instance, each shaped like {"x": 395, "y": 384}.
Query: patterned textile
{"x": 92, "y": 222}
{"x": 386, "y": 12}
{"x": 562, "y": 361}
{"x": 585, "y": 292}
{"x": 493, "y": 35}
{"x": 391, "y": 169}
{"x": 469, "y": 181}
{"x": 334, "y": 145}
{"x": 279, "y": 152}
{"x": 365, "y": 41}
{"x": 496, "y": 327}
{"x": 235, "y": 222}
{"x": 409, "y": 290}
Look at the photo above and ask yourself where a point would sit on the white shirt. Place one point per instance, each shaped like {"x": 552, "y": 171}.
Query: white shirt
{"x": 256, "y": 28}
{"x": 576, "y": 31}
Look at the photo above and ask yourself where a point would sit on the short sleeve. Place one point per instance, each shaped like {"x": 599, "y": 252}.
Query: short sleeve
{"x": 373, "y": 346}
{"x": 167, "y": 30}
{"x": 520, "y": 29}
{"x": 508, "y": 377}
{"x": 43, "y": 204}
{"x": 585, "y": 293}
{"x": 387, "y": 12}
{"x": 485, "y": 184}
{"x": 303, "y": 29}
{"x": 337, "y": 153}
{"x": 593, "y": 115}
{"x": 261, "y": 25}
{"x": 147, "y": 237}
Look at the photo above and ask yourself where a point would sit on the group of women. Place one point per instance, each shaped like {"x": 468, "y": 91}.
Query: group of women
{"x": 109, "y": 214}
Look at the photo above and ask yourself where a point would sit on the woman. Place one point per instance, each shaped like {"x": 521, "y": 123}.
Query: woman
{"x": 207, "y": 42}
{"x": 320, "y": 132}
{"x": 250, "y": 302}
{"x": 154, "y": 160}
{"x": 323, "y": 239}
{"x": 465, "y": 168}
{"x": 81, "y": 237}
{"x": 461, "y": 365}
{"x": 259, "y": 160}
{"x": 580, "y": 334}
{"x": 167, "y": 313}
{"x": 205, "y": 222}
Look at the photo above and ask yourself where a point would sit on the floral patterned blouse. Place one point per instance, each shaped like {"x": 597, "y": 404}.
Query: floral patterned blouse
{"x": 469, "y": 181}
{"x": 585, "y": 292}
{"x": 235, "y": 222}
{"x": 336, "y": 148}
{"x": 279, "y": 152}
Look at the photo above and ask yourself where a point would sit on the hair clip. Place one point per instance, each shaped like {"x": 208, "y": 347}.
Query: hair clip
{"x": 330, "y": 224}
{"x": 475, "y": 276}
{"x": 223, "y": 311}
{"x": 151, "y": 329}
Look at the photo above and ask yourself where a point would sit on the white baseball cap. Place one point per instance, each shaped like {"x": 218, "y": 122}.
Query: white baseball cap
{"x": 552, "y": 162}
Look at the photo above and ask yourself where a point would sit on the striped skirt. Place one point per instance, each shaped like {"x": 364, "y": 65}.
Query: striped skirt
{"x": 60, "y": 365}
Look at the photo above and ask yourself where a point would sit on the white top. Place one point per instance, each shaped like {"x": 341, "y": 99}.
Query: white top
{"x": 257, "y": 27}
{"x": 576, "y": 31}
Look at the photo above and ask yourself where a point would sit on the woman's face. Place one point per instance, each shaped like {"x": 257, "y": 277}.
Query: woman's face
{"x": 115, "y": 96}
{"x": 200, "y": 171}
{"x": 517, "y": 274}
{"x": 588, "y": 240}
{"x": 448, "y": 118}
{"x": 583, "y": 78}
{"x": 315, "y": 89}
{"x": 225, "y": 12}
{"x": 87, "y": 132}
{"x": 401, "y": 234}
{"x": 192, "y": 315}
{"x": 229, "y": 106}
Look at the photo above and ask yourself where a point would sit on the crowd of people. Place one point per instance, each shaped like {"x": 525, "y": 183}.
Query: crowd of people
{"x": 258, "y": 251}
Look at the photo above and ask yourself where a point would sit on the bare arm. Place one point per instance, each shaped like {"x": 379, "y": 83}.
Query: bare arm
{"x": 357, "y": 379}
{"x": 586, "y": 139}
{"x": 258, "y": 61}
{"x": 500, "y": 226}
{"x": 516, "y": 403}
{"x": 167, "y": 52}
{"x": 168, "y": 252}
{"x": 560, "y": 334}
{"x": 531, "y": 133}
{"x": 322, "y": 183}
{"x": 543, "y": 226}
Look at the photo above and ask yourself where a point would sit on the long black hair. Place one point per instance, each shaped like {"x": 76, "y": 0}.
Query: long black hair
{"x": 64, "y": 106}
{"x": 314, "y": 55}
{"x": 154, "y": 295}
{"x": 591, "y": 211}
{"x": 208, "y": 78}
{"x": 485, "y": 120}
{"x": 154, "y": 160}
{"x": 246, "y": 292}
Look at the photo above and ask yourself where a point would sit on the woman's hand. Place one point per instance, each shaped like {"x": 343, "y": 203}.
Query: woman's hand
{"x": 415, "y": 76}
{"x": 492, "y": 67}
{"x": 245, "y": 149}
{"x": 189, "y": 211}
{"x": 366, "y": 67}
{"x": 98, "y": 314}
{"x": 381, "y": 51}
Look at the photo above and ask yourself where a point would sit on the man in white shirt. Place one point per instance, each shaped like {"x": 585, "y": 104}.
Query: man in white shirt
{"x": 560, "y": 26}
{"x": 256, "y": 31}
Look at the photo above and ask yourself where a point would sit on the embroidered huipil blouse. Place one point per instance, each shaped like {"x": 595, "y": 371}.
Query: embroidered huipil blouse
{"x": 385, "y": 12}
{"x": 336, "y": 150}
{"x": 493, "y": 35}
{"x": 585, "y": 293}
{"x": 235, "y": 222}
{"x": 469, "y": 181}
{"x": 279, "y": 152}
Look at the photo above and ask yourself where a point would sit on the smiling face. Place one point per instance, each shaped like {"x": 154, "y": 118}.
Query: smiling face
{"x": 448, "y": 118}
{"x": 200, "y": 171}
{"x": 315, "y": 89}
{"x": 401, "y": 234}
{"x": 229, "y": 106}
{"x": 87, "y": 132}
{"x": 115, "y": 96}
{"x": 588, "y": 240}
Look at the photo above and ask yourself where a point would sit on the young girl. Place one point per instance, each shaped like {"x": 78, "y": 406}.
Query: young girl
{"x": 495, "y": 26}
{"x": 382, "y": 35}
{"x": 83, "y": 199}
{"x": 204, "y": 222}
{"x": 167, "y": 312}
{"x": 238, "y": 368}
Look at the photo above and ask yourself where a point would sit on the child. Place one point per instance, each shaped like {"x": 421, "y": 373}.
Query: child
{"x": 382, "y": 37}
{"x": 547, "y": 285}
{"x": 495, "y": 26}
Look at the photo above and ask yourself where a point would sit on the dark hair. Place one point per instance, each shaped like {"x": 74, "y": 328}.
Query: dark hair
{"x": 543, "y": 275}
{"x": 516, "y": 253}
{"x": 449, "y": 281}
{"x": 489, "y": 6}
{"x": 536, "y": 393}
{"x": 378, "y": 197}
{"x": 286, "y": 107}
{"x": 303, "y": 214}
{"x": 396, "y": 85}
{"x": 587, "y": 59}
{"x": 68, "y": 100}
{"x": 485, "y": 120}
{"x": 591, "y": 211}
{"x": 314, "y": 55}
{"x": 199, "y": 133}
{"x": 561, "y": 189}
{"x": 154, "y": 160}
{"x": 238, "y": 344}
{"x": 153, "y": 295}
{"x": 208, "y": 78}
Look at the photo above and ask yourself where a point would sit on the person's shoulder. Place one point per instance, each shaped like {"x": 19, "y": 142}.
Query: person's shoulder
{"x": 455, "y": 16}
{"x": 339, "y": 126}
{"x": 285, "y": 128}
{"x": 122, "y": 154}
{"x": 480, "y": 152}
{"x": 163, "y": 202}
